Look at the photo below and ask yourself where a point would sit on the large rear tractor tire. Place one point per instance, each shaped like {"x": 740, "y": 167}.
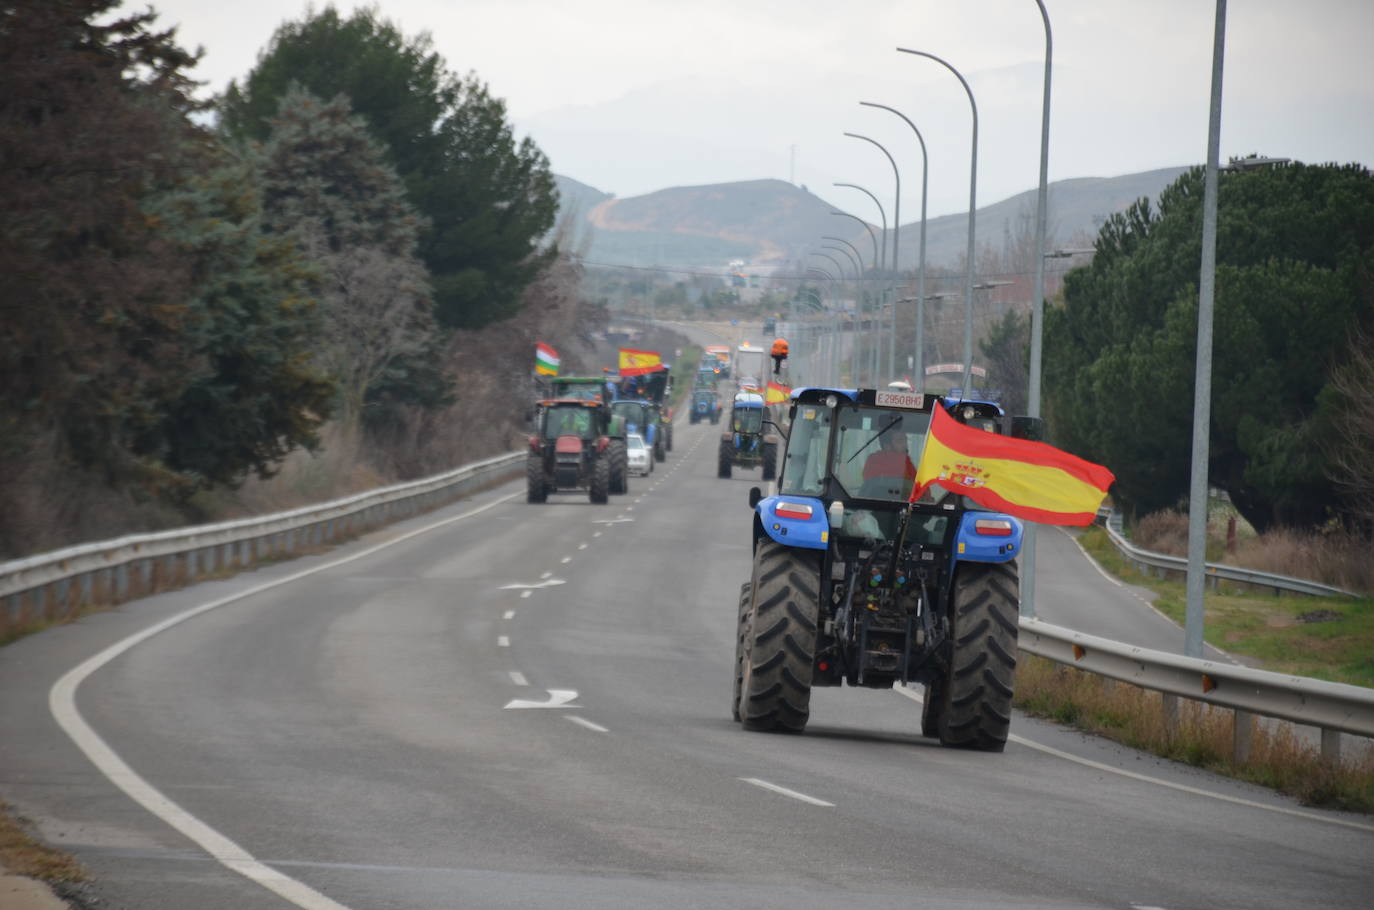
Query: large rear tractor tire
{"x": 599, "y": 489}
{"x": 974, "y": 710}
{"x": 620, "y": 466}
{"x": 745, "y": 605}
{"x": 775, "y": 691}
{"x": 725, "y": 459}
{"x": 770, "y": 460}
{"x": 535, "y": 491}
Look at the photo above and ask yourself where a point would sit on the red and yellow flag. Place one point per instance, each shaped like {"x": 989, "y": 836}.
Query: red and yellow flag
{"x": 637, "y": 363}
{"x": 1028, "y": 479}
{"x": 777, "y": 393}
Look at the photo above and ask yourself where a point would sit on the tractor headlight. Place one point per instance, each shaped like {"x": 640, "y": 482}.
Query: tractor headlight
{"x": 831, "y": 401}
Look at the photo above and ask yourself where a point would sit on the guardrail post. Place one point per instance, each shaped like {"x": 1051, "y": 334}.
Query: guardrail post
{"x": 1170, "y": 707}
{"x": 1331, "y": 745}
{"x": 1244, "y": 736}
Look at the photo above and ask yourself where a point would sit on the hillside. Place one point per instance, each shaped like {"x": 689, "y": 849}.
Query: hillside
{"x": 772, "y": 221}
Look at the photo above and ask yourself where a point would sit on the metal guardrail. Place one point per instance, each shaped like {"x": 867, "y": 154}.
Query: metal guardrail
{"x": 50, "y": 585}
{"x": 1161, "y": 564}
{"x": 1315, "y": 702}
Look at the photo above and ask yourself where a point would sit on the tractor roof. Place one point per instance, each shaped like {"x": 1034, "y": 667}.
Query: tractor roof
{"x": 748, "y": 400}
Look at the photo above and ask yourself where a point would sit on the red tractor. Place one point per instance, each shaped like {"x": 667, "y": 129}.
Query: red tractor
{"x": 569, "y": 450}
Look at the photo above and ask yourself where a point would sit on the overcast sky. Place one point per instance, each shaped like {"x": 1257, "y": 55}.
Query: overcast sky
{"x": 632, "y": 96}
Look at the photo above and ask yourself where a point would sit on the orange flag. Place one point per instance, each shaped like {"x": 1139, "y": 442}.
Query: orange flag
{"x": 777, "y": 394}
{"x": 637, "y": 363}
{"x": 1028, "y": 479}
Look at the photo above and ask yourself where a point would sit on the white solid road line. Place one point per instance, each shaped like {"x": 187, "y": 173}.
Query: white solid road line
{"x": 786, "y": 792}
{"x": 1183, "y": 788}
{"x": 583, "y": 722}
{"x": 62, "y": 704}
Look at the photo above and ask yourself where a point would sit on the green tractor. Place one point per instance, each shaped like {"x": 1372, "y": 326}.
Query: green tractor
{"x": 594, "y": 388}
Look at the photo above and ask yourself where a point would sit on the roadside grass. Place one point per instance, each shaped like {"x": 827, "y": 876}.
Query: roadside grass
{"x": 1324, "y": 638}
{"x": 21, "y": 854}
{"x": 1203, "y": 737}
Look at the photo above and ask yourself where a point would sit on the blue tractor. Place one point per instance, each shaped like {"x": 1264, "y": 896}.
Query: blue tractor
{"x": 746, "y": 441}
{"x": 705, "y": 405}
{"x": 852, "y": 584}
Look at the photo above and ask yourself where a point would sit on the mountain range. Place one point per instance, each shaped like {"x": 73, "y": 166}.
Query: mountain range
{"x": 767, "y": 222}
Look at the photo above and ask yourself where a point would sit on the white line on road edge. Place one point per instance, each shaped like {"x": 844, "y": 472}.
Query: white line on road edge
{"x": 62, "y": 704}
{"x": 786, "y": 792}
{"x": 518, "y": 678}
{"x": 1183, "y": 788}
{"x": 583, "y": 722}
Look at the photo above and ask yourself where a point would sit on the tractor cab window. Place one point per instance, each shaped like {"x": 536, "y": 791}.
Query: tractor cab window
{"x": 748, "y": 420}
{"x": 568, "y": 422}
{"x": 803, "y": 471}
{"x": 876, "y": 451}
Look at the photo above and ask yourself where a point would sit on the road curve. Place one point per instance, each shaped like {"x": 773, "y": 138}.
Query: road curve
{"x": 370, "y": 735}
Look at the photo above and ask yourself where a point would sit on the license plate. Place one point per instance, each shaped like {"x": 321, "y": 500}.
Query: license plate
{"x": 913, "y": 400}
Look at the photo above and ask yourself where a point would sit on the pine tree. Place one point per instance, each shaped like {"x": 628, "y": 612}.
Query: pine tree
{"x": 326, "y": 181}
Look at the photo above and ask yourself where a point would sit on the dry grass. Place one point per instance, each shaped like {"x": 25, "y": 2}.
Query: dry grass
{"x": 1204, "y": 736}
{"x": 1333, "y": 557}
{"x": 21, "y": 854}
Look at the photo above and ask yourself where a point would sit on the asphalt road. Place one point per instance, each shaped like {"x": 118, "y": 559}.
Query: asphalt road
{"x": 353, "y": 737}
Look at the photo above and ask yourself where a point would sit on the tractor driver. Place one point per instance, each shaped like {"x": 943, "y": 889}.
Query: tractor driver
{"x": 892, "y": 460}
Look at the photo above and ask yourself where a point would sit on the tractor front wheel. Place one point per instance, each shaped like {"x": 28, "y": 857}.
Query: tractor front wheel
{"x": 974, "y": 709}
{"x": 775, "y": 691}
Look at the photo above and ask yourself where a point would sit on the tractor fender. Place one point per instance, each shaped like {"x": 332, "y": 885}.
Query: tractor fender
{"x": 793, "y": 521}
{"x": 997, "y": 540}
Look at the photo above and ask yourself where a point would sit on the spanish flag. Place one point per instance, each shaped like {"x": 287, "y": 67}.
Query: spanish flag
{"x": 1028, "y": 479}
{"x": 777, "y": 394}
{"x": 637, "y": 363}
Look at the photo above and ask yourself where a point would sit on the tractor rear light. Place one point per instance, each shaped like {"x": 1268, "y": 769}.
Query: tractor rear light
{"x": 798, "y": 510}
{"x": 993, "y": 527}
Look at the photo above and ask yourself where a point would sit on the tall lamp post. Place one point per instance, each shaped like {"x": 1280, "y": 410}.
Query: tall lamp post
{"x": 972, "y": 213}
{"x": 921, "y": 268}
{"x": 882, "y": 248}
{"x": 896, "y": 235}
{"x": 1195, "y": 613}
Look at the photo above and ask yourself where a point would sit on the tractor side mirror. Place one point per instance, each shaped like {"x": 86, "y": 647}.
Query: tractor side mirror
{"x": 755, "y": 494}
{"x": 1028, "y": 428}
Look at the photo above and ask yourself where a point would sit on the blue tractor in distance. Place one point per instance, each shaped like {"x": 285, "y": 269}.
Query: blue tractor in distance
{"x": 746, "y": 441}
{"x": 854, "y": 585}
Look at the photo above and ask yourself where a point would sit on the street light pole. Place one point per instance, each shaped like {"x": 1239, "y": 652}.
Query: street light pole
{"x": 972, "y": 214}
{"x": 1037, "y": 308}
{"x": 921, "y": 268}
{"x": 1195, "y": 614}
{"x": 882, "y": 249}
{"x": 896, "y": 236}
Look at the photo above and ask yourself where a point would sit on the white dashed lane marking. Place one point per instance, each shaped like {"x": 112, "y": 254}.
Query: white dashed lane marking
{"x": 518, "y": 678}
{"x": 583, "y": 722}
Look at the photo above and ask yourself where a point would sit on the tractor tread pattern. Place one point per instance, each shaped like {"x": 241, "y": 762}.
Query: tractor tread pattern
{"x": 780, "y": 643}
{"x": 972, "y": 707}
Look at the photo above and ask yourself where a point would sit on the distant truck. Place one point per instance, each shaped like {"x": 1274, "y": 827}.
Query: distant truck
{"x": 750, "y": 363}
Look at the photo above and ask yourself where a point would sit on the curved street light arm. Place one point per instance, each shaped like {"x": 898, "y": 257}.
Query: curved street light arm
{"x": 972, "y": 215}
